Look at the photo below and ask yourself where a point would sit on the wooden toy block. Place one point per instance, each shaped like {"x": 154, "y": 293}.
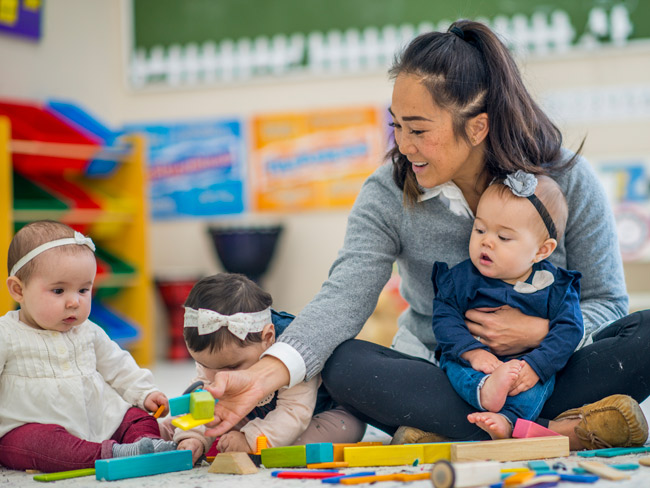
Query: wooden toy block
{"x": 525, "y": 429}
{"x": 540, "y": 467}
{"x": 623, "y": 467}
{"x": 159, "y": 411}
{"x": 306, "y": 475}
{"x": 144, "y": 465}
{"x": 179, "y": 405}
{"x": 65, "y": 475}
{"x": 614, "y": 451}
{"x": 232, "y": 463}
{"x": 518, "y": 479}
{"x": 644, "y": 461}
{"x": 447, "y": 475}
{"x": 511, "y": 449}
{"x": 201, "y": 405}
{"x": 436, "y": 451}
{"x": 187, "y": 422}
{"x": 284, "y": 457}
{"x": 322, "y": 452}
{"x": 603, "y": 470}
{"x": 337, "y": 479}
{"x": 332, "y": 465}
{"x": 338, "y": 448}
{"x": 403, "y": 477}
{"x": 383, "y": 455}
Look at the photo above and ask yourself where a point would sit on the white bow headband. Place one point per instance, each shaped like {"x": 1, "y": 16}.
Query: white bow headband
{"x": 78, "y": 239}
{"x": 239, "y": 324}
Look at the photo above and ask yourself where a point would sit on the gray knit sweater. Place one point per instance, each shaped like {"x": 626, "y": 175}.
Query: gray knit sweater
{"x": 382, "y": 231}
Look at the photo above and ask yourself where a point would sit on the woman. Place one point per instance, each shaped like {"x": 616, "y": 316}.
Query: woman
{"x": 461, "y": 117}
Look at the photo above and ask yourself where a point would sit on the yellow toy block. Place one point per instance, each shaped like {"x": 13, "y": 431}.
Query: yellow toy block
{"x": 384, "y": 455}
{"x": 201, "y": 405}
{"x": 338, "y": 448}
{"x": 436, "y": 451}
{"x": 187, "y": 422}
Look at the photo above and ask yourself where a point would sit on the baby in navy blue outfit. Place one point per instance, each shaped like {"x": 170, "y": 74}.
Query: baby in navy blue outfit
{"x": 517, "y": 226}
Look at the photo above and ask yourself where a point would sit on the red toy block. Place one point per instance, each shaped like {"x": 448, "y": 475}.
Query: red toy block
{"x": 525, "y": 429}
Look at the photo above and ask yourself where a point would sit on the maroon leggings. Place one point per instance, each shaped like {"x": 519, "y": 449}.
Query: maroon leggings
{"x": 51, "y": 448}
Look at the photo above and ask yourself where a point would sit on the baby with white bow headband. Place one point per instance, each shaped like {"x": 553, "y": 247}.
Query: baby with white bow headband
{"x": 70, "y": 395}
{"x": 229, "y": 324}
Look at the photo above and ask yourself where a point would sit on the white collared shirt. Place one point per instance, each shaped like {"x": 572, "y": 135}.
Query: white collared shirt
{"x": 451, "y": 195}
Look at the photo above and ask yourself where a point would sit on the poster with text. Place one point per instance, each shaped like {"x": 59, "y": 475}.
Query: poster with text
{"x": 195, "y": 168}
{"x": 314, "y": 160}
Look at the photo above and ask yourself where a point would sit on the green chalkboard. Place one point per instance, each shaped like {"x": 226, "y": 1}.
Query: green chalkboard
{"x": 167, "y": 22}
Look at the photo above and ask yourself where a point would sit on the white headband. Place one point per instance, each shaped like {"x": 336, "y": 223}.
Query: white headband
{"x": 78, "y": 239}
{"x": 239, "y": 324}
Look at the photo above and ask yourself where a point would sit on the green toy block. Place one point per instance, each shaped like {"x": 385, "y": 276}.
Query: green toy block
{"x": 144, "y": 465}
{"x": 322, "y": 452}
{"x": 201, "y": 405}
{"x": 284, "y": 457}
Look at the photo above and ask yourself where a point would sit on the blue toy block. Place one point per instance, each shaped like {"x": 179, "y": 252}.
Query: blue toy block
{"x": 179, "y": 405}
{"x": 144, "y": 465}
{"x": 322, "y": 452}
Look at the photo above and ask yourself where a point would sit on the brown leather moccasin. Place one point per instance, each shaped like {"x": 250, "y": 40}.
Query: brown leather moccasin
{"x": 411, "y": 435}
{"x": 614, "y": 421}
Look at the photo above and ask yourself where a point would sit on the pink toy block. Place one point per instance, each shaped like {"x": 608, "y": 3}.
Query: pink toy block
{"x": 525, "y": 429}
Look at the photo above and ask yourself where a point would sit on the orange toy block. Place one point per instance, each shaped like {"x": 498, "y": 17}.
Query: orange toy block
{"x": 525, "y": 429}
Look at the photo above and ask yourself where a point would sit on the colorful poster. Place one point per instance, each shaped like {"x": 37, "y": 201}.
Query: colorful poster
{"x": 195, "y": 168}
{"x": 21, "y": 18}
{"x": 314, "y": 160}
{"x": 627, "y": 183}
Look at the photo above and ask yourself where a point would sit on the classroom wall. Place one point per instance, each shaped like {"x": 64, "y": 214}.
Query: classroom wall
{"x": 80, "y": 57}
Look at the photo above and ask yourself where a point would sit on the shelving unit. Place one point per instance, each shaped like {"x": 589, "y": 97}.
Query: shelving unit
{"x": 55, "y": 180}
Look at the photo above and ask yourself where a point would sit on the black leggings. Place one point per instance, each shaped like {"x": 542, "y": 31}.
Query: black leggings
{"x": 387, "y": 389}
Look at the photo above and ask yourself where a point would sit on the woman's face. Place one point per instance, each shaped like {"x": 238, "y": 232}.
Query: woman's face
{"x": 424, "y": 134}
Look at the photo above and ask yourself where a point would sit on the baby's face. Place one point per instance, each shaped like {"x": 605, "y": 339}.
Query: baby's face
{"x": 231, "y": 357}
{"x": 58, "y": 295}
{"x": 505, "y": 238}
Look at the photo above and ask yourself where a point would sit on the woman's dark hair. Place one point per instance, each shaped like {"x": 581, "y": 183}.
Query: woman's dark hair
{"x": 228, "y": 294}
{"x": 468, "y": 71}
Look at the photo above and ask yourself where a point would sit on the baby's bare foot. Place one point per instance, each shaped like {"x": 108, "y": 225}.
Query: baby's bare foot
{"x": 494, "y": 424}
{"x": 495, "y": 389}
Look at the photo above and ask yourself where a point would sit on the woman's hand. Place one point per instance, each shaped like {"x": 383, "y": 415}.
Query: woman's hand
{"x": 233, "y": 441}
{"x": 156, "y": 399}
{"x": 194, "y": 445}
{"x": 240, "y": 391}
{"x": 505, "y": 330}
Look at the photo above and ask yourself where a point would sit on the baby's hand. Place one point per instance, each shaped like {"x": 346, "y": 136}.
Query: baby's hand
{"x": 194, "y": 445}
{"x": 526, "y": 380}
{"x": 156, "y": 399}
{"x": 481, "y": 360}
{"x": 233, "y": 441}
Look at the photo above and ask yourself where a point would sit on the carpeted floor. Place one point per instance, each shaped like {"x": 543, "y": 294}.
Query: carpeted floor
{"x": 172, "y": 378}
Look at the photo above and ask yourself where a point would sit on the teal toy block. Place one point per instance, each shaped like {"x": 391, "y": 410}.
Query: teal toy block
{"x": 144, "y": 465}
{"x": 179, "y": 405}
{"x": 284, "y": 457}
{"x": 322, "y": 452}
{"x": 540, "y": 467}
{"x": 201, "y": 405}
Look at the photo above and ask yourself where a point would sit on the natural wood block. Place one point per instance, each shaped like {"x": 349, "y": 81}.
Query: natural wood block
{"x": 447, "y": 475}
{"x": 604, "y": 471}
{"x": 383, "y": 455}
{"x": 232, "y": 463}
{"x": 511, "y": 449}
